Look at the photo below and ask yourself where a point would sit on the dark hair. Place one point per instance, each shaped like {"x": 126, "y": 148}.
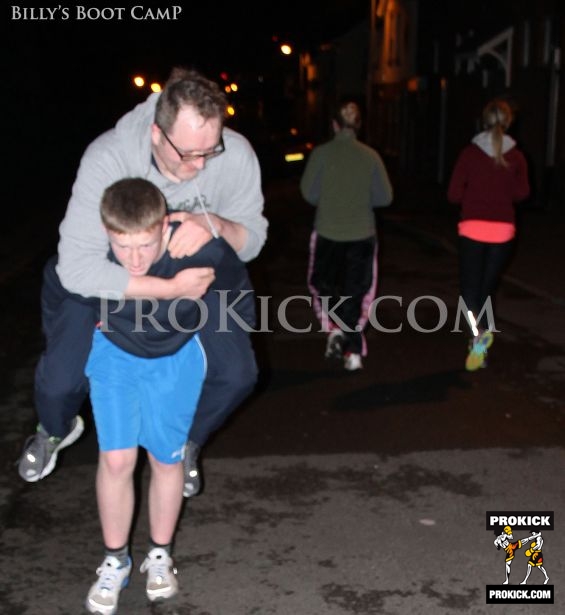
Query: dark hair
{"x": 348, "y": 115}
{"x": 132, "y": 205}
{"x": 188, "y": 87}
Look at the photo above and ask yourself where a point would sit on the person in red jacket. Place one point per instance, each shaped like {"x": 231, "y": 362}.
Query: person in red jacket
{"x": 489, "y": 177}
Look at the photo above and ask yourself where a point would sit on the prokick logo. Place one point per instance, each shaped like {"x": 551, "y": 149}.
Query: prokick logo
{"x": 529, "y": 526}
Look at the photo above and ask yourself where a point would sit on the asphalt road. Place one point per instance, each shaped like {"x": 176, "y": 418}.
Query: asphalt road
{"x": 328, "y": 492}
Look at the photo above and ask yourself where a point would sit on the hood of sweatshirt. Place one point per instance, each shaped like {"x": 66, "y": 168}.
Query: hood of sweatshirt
{"x": 484, "y": 141}
{"x": 133, "y": 131}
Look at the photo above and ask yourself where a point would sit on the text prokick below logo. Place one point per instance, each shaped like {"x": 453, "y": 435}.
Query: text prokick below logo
{"x": 513, "y": 532}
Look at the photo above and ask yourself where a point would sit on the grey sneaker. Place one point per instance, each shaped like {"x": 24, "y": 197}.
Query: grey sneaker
{"x": 334, "y": 344}
{"x": 161, "y": 575}
{"x": 40, "y": 451}
{"x": 192, "y": 480}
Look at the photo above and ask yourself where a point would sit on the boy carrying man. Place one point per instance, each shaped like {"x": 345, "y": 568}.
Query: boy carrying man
{"x": 145, "y": 380}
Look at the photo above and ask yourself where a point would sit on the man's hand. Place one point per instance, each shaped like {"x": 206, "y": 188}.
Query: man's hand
{"x": 190, "y": 236}
{"x": 233, "y": 232}
{"x": 193, "y": 283}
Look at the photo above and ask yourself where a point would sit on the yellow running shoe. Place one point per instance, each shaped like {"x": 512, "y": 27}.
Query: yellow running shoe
{"x": 478, "y": 351}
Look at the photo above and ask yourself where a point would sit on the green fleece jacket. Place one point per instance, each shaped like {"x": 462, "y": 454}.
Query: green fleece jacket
{"x": 345, "y": 179}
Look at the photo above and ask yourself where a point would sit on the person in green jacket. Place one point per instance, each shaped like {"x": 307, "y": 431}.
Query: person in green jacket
{"x": 345, "y": 180}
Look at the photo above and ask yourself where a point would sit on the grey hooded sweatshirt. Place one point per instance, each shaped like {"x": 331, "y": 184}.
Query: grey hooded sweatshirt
{"x": 229, "y": 185}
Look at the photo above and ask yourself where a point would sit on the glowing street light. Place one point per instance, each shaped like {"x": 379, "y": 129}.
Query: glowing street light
{"x": 139, "y": 81}
{"x": 286, "y": 49}
{"x": 155, "y": 87}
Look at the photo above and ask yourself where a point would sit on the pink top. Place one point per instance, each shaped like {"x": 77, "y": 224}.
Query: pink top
{"x": 488, "y": 231}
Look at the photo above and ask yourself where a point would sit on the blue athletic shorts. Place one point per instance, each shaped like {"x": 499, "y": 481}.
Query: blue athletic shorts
{"x": 145, "y": 402}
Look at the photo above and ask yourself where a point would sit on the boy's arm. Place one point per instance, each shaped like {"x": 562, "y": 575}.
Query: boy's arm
{"x": 191, "y": 283}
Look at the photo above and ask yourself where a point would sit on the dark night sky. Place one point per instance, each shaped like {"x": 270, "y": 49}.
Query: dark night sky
{"x": 69, "y": 80}
{"x": 234, "y": 37}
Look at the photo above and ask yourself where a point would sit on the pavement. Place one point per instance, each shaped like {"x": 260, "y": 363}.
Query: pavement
{"x": 312, "y": 534}
{"x": 362, "y": 517}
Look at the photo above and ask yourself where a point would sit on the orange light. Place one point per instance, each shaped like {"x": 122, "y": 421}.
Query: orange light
{"x": 155, "y": 87}
{"x": 230, "y": 110}
{"x": 139, "y": 81}
{"x": 286, "y": 49}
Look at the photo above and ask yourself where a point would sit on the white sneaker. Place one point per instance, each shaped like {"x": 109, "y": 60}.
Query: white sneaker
{"x": 104, "y": 594}
{"x": 334, "y": 344}
{"x": 161, "y": 575}
{"x": 352, "y": 362}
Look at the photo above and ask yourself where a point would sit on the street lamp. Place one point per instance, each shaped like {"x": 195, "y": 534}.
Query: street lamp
{"x": 286, "y": 49}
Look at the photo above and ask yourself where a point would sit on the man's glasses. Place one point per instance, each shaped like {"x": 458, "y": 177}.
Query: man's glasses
{"x": 191, "y": 156}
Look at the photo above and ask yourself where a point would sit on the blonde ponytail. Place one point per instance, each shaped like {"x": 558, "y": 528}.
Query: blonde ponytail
{"x": 497, "y": 117}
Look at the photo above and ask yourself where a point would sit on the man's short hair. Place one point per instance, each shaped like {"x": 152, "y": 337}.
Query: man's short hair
{"x": 187, "y": 87}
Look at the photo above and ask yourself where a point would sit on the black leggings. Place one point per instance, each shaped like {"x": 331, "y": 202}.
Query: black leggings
{"x": 480, "y": 269}
{"x": 345, "y": 269}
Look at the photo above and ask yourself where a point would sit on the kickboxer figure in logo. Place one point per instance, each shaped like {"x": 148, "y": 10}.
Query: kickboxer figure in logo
{"x": 510, "y": 547}
{"x": 536, "y": 559}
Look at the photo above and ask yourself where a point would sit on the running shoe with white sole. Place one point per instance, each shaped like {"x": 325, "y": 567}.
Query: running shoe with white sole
{"x": 104, "y": 594}
{"x": 352, "y": 362}
{"x": 40, "y": 451}
{"x": 478, "y": 351}
{"x": 161, "y": 575}
{"x": 334, "y": 344}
